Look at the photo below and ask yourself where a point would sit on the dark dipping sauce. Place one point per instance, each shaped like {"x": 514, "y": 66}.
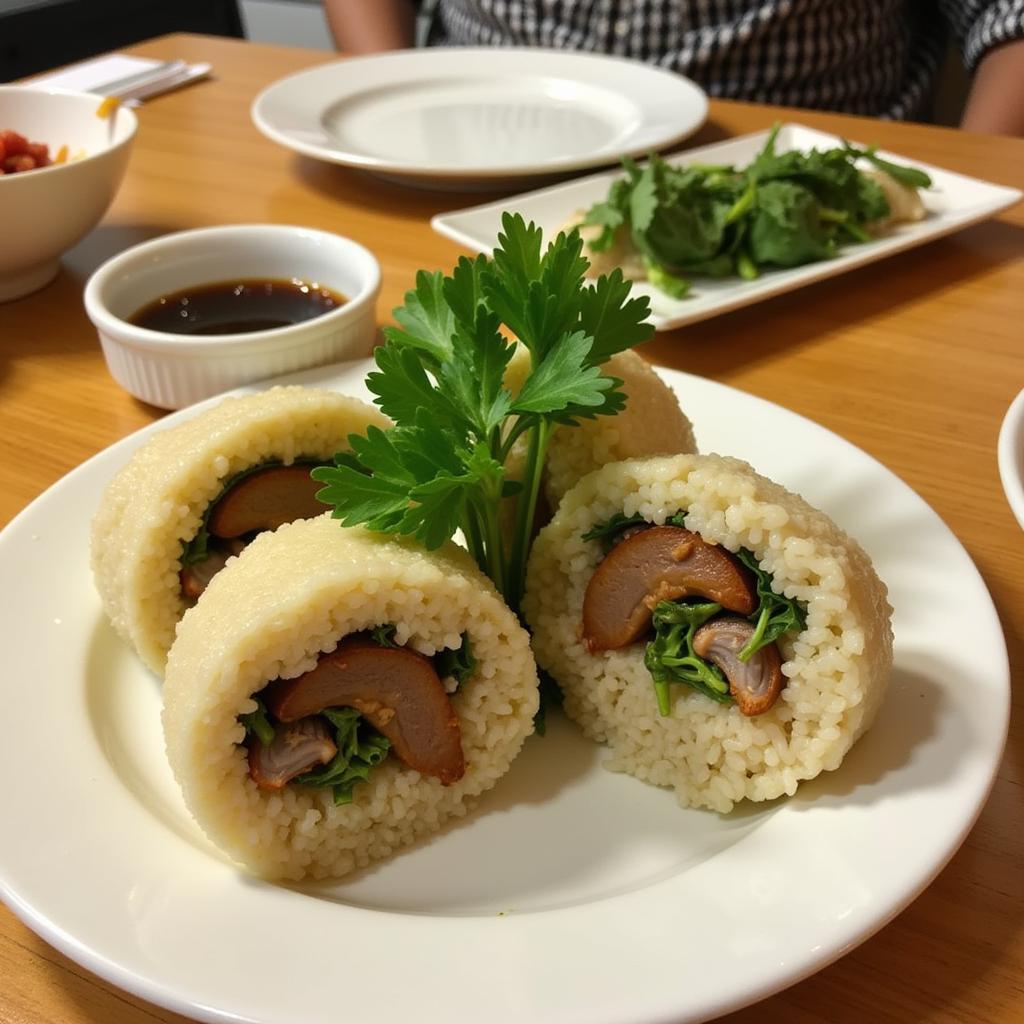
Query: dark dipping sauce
{"x": 237, "y": 307}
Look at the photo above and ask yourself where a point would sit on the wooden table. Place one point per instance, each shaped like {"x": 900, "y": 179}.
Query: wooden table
{"x": 915, "y": 360}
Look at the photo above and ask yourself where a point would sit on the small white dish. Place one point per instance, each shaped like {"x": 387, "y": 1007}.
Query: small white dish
{"x": 174, "y": 370}
{"x": 571, "y": 893}
{"x": 1011, "y": 456}
{"x": 472, "y": 118}
{"x": 953, "y": 203}
{"x": 44, "y": 212}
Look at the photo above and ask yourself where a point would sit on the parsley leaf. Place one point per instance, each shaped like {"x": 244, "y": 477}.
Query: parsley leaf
{"x": 564, "y": 378}
{"x": 440, "y": 377}
{"x": 426, "y": 317}
{"x": 613, "y": 319}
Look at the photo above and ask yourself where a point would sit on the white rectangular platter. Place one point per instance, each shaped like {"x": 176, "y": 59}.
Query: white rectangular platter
{"x": 953, "y": 202}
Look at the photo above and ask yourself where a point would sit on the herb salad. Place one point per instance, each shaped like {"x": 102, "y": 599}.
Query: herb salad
{"x": 782, "y": 210}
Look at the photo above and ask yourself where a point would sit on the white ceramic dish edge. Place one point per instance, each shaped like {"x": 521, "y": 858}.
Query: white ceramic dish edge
{"x": 1011, "y": 456}
{"x": 853, "y": 927}
{"x": 476, "y": 227}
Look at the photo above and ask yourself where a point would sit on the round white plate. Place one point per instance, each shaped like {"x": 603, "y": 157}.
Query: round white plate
{"x": 466, "y": 117}
{"x": 1011, "y": 456}
{"x": 571, "y": 894}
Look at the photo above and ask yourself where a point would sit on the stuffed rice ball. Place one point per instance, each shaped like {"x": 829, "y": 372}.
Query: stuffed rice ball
{"x": 195, "y": 494}
{"x": 723, "y": 637}
{"x": 360, "y": 692}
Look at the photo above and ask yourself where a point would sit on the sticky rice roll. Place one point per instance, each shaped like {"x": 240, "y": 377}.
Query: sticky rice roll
{"x": 652, "y": 423}
{"x": 277, "y": 612}
{"x": 834, "y": 669}
{"x": 156, "y": 504}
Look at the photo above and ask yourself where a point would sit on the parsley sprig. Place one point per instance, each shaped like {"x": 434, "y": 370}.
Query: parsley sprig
{"x": 440, "y": 377}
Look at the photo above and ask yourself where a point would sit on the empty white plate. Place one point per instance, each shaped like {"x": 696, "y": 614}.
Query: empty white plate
{"x": 953, "y": 202}
{"x": 479, "y": 117}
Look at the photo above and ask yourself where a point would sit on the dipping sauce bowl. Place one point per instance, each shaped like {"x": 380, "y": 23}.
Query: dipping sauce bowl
{"x": 172, "y": 370}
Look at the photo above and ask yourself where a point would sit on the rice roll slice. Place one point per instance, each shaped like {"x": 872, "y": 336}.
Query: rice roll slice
{"x": 723, "y": 637}
{"x": 336, "y": 694}
{"x": 194, "y": 495}
{"x": 652, "y": 423}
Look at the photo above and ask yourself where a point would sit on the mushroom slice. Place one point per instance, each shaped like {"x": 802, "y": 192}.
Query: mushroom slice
{"x": 297, "y": 747}
{"x": 265, "y": 500}
{"x": 754, "y": 684}
{"x": 396, "y": 689}
{"x": 663, "y": 563}
{"x": 195, "y": 578}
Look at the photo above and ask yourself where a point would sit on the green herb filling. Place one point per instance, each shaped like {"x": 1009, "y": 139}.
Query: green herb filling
{"x": 360, "y": 746}
{"x": 669, "y": 656}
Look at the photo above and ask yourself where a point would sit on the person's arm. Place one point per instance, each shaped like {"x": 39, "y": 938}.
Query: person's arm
{"x": 996, "y": 101}
{"x": 370, "y": 26}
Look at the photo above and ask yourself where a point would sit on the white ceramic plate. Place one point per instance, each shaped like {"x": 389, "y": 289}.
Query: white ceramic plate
{"x": 479, "y": 117}
{"x": 1011, "y": 456}
{"x": 954, "y": 202}
{"x": 572, "y": 895}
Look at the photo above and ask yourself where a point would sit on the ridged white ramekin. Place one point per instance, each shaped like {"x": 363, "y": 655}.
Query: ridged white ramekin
{"x": 174, "y": 370}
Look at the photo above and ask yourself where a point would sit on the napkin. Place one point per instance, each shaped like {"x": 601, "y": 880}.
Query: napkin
{"x": 131, "y": 79}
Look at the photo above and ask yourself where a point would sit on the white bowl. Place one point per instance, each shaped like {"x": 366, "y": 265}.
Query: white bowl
{"x": 173, "y": 370}
{"x": 45, "y": 211}
{"x": 1011, "y": 456}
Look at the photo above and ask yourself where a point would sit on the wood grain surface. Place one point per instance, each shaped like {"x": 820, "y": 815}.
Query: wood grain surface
{"x": 914, "y": 359}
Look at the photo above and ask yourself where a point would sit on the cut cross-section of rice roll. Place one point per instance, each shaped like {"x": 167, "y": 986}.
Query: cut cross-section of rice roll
{"x": 722, "y": 636}
{"x": 195, "y": 494}
{"x": 336, "y": 694}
